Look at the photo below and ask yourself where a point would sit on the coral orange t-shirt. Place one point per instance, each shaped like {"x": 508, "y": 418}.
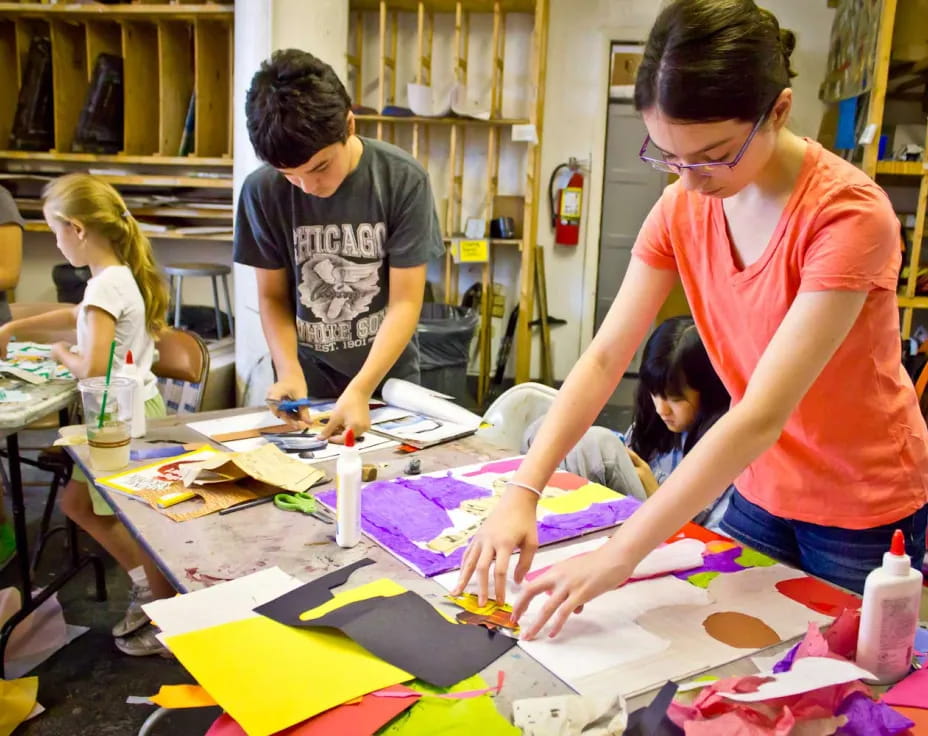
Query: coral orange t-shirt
{"x": 854, "y": 452}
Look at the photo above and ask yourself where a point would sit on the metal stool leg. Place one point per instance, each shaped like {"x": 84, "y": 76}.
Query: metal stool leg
{"x": 178, "y": 289}
{"x": 225, "y": 288}
{"x": 216, "y": 309}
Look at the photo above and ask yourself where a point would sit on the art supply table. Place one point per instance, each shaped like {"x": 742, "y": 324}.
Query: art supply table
{"x": 43, "y": 399}
{"x": 199, "y": 552}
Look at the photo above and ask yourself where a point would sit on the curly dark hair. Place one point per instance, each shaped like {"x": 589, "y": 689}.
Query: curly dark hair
{"x": 295, "y": 107}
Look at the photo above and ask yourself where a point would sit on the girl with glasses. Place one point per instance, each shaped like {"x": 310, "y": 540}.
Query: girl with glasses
{"x": 789, "y": 257}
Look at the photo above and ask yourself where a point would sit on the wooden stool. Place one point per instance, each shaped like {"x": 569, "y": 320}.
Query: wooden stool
{"x": 177, "y": 272}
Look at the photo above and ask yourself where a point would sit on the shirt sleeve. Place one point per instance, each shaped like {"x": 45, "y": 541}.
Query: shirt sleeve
{"x": 9, "y": 213}
{"x": 414, "y": 234}
{"x": 103, "y": 293}
{"x": 255, "y": 243}
{"x": 653, "y": 244}
{"x": 856, "y": 244}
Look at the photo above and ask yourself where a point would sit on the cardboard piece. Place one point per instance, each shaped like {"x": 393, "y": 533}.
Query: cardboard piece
{"x": 404, "y": 630}
{"x": 266, "y": 464}
{"x": 351, "y": 719}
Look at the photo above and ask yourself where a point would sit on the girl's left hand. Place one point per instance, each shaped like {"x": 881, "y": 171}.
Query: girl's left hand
{"x": 645, "y": 474}
{"x": 570, "y": 584}
{"x": 352, "y": 410}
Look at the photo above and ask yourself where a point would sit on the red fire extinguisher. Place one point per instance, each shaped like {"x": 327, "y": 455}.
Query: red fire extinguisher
{"x": 566, "y": 205}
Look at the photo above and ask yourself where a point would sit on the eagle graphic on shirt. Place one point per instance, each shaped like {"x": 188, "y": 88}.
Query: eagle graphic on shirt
{"x": 335, "y": 289}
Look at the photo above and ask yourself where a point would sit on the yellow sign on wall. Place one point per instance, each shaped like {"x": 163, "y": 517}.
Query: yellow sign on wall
{"x": 472, "y": 251}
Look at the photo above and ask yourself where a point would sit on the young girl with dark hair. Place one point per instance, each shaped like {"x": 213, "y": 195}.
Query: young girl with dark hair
{"x": 789, "y": 258}
{"x": 679, "y": 397}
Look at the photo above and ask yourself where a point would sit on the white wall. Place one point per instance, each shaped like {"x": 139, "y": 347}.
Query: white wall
{"x": 40, "y": 255}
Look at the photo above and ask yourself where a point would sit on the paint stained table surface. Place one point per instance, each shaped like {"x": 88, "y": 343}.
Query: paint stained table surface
{"x": 200, "y": 552}
{"x": 43, "y": 399}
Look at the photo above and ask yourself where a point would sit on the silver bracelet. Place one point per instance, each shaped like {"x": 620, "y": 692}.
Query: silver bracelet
{"x": 523, "y": 485}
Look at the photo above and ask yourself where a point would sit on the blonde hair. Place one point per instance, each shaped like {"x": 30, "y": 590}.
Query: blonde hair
{"x": 97, "y": 206}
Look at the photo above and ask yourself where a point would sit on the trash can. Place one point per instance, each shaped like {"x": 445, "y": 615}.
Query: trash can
{"x": 445, "y": 333}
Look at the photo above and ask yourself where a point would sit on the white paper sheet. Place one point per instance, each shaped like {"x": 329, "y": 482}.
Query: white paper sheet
{"x": 261, "y": 419}
{"x": 806, "y": 674}
{"x": 223, "y": 603}
{"x": 418, "y": 399}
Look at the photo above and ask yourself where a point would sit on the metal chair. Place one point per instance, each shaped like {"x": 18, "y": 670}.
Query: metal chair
{"x": 177, "y": 271}
{"x": 182, "y": 369}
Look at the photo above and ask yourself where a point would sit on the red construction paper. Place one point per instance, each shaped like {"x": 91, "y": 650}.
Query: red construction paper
{"x": 817, "y": 595}
{"x": 357, "y": 719}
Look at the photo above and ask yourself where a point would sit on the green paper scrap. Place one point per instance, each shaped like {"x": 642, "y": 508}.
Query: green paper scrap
{"x": 702, "y": 579}
{"x": 752, "y": 558}
{"x": 450, "y": 717}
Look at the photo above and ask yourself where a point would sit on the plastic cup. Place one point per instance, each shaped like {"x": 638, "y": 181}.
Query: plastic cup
{"x": 108, "y": 440}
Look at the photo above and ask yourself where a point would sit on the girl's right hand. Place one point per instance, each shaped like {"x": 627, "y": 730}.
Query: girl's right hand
{"x": 511, "y": 525}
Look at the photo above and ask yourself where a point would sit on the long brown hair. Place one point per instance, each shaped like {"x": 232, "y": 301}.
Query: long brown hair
{"x": 97, "y": 206}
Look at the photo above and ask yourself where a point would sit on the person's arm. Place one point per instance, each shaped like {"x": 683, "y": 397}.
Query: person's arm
{"x": 585, "y": 391}
{"x": 278, "y": 321}
{"x": 37, "y": 327}
{"x": 90, "y": 360}
{"x": 11, "y": 255}
{"x": 813, "y": 329}
{"x": 407, "y": 289}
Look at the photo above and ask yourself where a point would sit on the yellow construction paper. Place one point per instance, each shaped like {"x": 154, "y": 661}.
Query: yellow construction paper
{"x": 382, "y": 588}
{"x": 183, "y": 696}
{"x": 17, "y": 699}
{"x": 579, "y": 499}
{"x": 268, "y": 676}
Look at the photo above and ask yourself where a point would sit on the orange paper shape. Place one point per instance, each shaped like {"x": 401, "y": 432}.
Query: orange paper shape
{"x": 357, "y": 718}
{"x": 182, "y": 696}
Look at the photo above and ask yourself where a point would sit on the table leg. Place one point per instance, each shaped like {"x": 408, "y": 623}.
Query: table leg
{"x": 178, "y": 291}
{"x": 14, "y": 482}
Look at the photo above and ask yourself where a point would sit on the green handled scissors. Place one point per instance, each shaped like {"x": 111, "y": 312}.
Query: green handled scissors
{"x": 303, "y": 502}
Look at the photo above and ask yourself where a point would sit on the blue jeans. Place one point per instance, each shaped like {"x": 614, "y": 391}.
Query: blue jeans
{"x": 841, "y": 556}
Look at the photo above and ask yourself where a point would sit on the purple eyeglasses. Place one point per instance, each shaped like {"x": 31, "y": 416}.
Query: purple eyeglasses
{"x": 706, "y": 169}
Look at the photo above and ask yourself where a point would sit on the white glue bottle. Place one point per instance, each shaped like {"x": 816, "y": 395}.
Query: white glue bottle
{"x": 889, "y": 615}
{"x": 348, "y": 498}
{"x": 130, "y": 370}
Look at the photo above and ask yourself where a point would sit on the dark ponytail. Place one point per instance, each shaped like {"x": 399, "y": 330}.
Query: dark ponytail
{"x": 711, "y": 60}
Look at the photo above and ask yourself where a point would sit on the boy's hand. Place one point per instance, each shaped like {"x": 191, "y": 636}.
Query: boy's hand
{"x": 293, "y": 387}
{"x": 352, "y": 410}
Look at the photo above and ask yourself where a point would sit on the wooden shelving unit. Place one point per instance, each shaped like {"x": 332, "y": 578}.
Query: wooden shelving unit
{"x": 906, "y": 80}
{"x": 463, "y": 134}
{"x": 171, "y": 53}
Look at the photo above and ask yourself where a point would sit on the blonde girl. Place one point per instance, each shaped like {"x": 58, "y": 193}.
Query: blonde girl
{"x": 125, "y": 300}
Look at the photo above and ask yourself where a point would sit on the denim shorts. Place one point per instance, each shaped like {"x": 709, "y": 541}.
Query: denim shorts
{"x": 841, "y": 556}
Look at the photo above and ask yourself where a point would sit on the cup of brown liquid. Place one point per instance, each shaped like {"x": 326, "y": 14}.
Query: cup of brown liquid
{"x": 109, "y": 437}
